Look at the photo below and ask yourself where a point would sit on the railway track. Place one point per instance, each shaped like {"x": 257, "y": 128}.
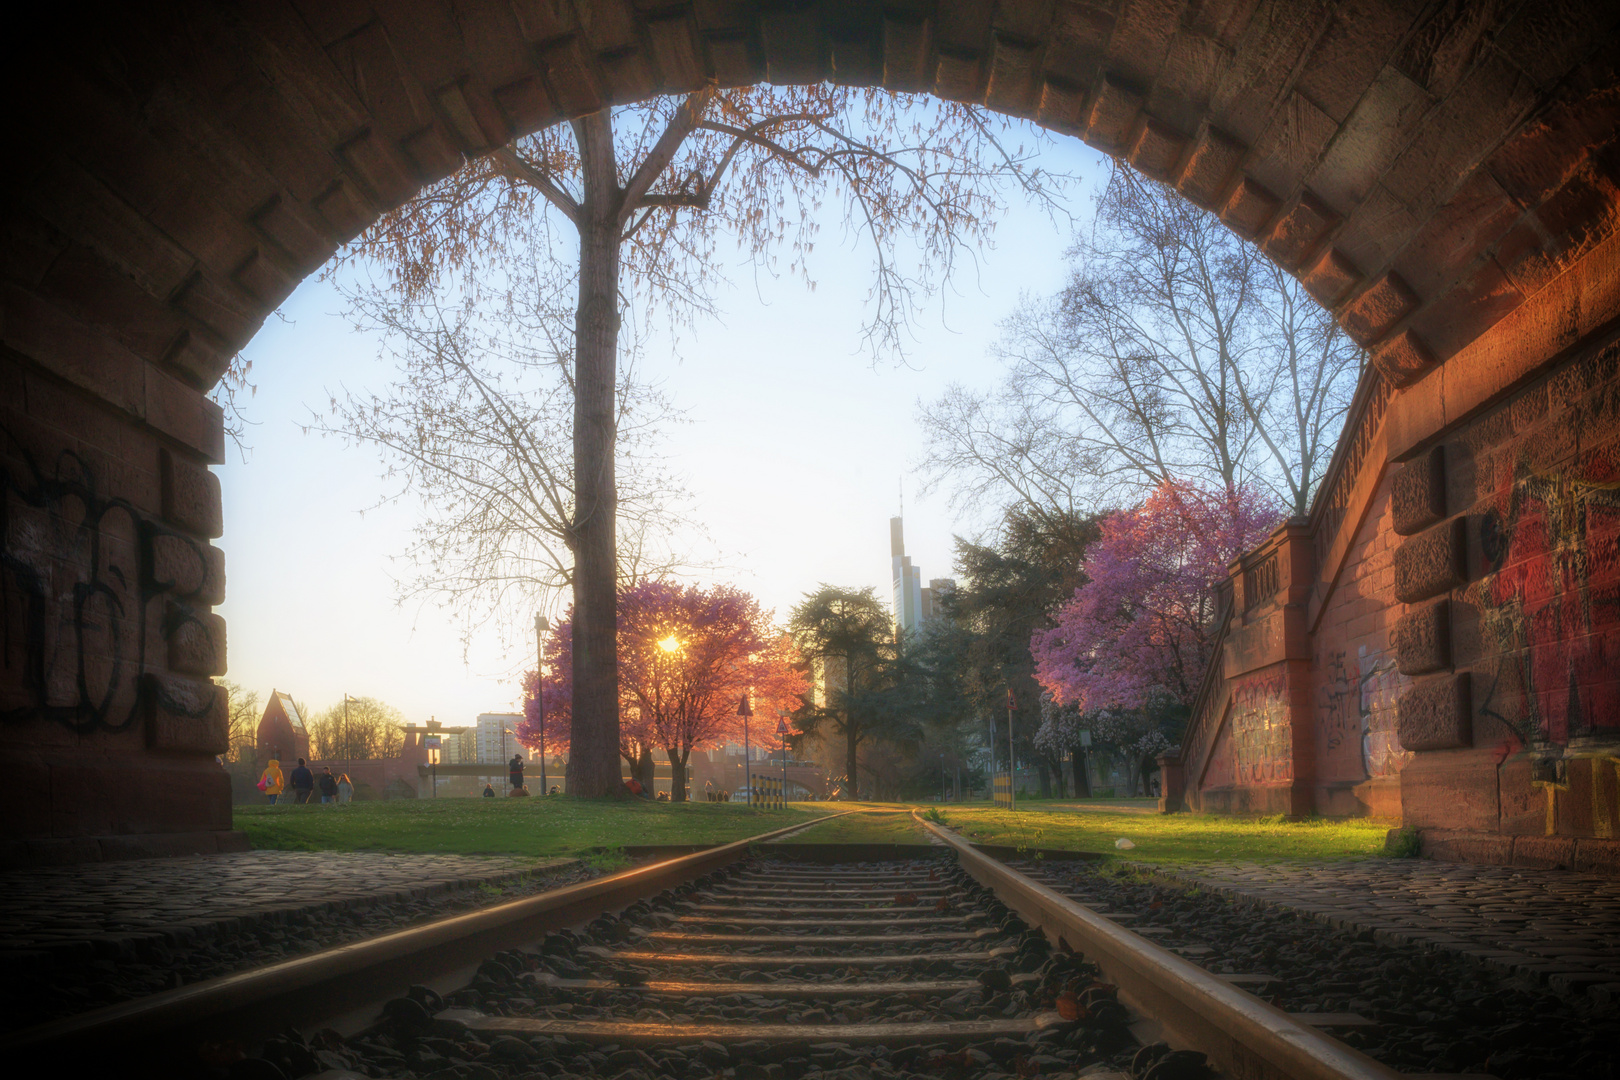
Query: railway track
{"x": 748, "y": 962}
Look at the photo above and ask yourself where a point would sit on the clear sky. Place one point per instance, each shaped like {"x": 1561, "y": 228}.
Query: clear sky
{"x": 796, "y": 448}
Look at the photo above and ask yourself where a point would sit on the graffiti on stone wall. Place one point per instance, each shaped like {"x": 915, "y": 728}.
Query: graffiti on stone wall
{"x": 81, "y": 581}
{"x": 1357, "y": 707}
{"x": 1549, "y": 602}
{"x": 1262, "y": 743}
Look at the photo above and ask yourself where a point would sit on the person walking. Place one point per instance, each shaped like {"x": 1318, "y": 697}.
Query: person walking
{"x": 328, "y": 786}
{"x": 272, "y": 781}
{"x": 514, "y": 769}
{"x": 345, "y": 790}
{"x": 303, "y": 783}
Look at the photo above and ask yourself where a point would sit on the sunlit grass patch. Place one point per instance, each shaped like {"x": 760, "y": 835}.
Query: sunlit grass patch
{"x": 539, "y": 827}
{"x": 1173, "y": 838}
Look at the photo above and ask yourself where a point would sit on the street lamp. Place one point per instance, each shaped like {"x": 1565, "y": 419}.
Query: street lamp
{"x": 782, "y": 733}
{"x": 505, "y": 731}
{"x": 745, "y": 709}
{"x": 541, "y": 625}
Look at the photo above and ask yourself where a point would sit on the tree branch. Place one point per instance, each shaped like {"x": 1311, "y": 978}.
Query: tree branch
{"x": 686, "y": 119}
{"x": 518, "y": 169}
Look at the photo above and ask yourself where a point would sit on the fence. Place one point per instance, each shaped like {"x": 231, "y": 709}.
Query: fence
{"x": 1003, "y": 794}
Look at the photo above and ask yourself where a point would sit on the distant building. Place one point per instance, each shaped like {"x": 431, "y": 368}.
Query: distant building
{"x": 913, "y": 604}
{"x": 491, "y": 727}
{"x": 282, "y": 734}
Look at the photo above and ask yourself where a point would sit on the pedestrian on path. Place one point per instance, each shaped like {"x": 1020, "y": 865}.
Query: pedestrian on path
{"x": 345, "y": 790}
{"x": 329, "y": 788}
{"x": 303, "y": 783}
{"x": 514, "y": 769}
{"x": 272, "y": 782}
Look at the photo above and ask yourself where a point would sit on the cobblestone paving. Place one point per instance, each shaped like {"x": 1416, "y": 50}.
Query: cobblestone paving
{"x": 55, "y": 905}
{"x": 1554, "y": 927}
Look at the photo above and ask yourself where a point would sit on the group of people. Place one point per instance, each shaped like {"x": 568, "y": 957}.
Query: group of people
{"x": 514, "y": 780}
{"x": 302, "y": 784}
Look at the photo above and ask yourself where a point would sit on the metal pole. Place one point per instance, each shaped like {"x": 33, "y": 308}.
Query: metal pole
{"x": 1012, "y": 781}
{"x": 745, "y": 709}
{"x": 505, "y": 787}
{"x": 942, "y": 791}
{"x": 541, "y": 625}
{"x": 348, "y": 749}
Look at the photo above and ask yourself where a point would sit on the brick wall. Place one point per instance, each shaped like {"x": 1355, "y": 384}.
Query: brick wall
{"x": 1510, "y": 630}
{"x": 107, "y": 580}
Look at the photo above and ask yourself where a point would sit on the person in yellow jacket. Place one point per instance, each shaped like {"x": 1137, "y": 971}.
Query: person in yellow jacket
{"x": 271, "y": 782}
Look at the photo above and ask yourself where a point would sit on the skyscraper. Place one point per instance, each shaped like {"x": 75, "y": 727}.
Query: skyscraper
{"x": 913, "y": 604}
{"x": 907, "y": 581}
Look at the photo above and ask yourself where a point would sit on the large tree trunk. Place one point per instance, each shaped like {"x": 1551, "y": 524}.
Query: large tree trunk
{"x": 1082, "y": 774}
{"x": 645, "y": 769}
{"x": 851, "y": 744}
{"x": 593, "y": 759}
{"x": 677, "y": 773}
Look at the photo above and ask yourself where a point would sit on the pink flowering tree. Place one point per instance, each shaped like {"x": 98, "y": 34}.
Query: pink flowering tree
{"x": 1136, "y": 638}
{"x": 687, "y": 655}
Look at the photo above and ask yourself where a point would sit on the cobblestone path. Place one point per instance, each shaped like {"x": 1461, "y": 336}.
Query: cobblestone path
{"x": 1554, "y": 927}
{"x": 53, "y": 905}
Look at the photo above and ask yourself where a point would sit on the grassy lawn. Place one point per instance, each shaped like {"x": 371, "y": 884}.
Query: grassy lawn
{"x": 1169, "y": 838}
{"x": 542, "y": 828}
{"x": 887, "y": 825}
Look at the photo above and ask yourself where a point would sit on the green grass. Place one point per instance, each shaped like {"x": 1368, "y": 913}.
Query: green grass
{"x": 539, "y": 828}
{"x": 885, "y": 826}
{"x": 1172, "y": 838}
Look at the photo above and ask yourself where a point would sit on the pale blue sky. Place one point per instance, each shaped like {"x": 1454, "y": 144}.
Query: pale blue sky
{"x": 796, "y": 447}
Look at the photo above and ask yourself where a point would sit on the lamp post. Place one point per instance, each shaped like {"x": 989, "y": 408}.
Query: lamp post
{"x": 541, "y": 625}
{"x": 505, "y": 731}
{"x": 745, "y": 709}
{"x": 1012, "y": 780}
{"x": 348, "y": 750}
{"x": 943, "y": 791}
{"x": 782, "y": 733}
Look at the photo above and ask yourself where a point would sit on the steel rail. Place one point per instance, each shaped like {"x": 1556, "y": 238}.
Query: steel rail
{"x": 1242, "y": 1035}
{"x": 344, "y": 987}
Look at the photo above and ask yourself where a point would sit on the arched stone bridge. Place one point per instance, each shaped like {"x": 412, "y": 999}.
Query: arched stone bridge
{"x": 1440, "y": 174}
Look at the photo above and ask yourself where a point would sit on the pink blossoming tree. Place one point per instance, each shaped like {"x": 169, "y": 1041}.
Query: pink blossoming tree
{"x": 686, "y": 657}
{"x": 1141, "y": 629}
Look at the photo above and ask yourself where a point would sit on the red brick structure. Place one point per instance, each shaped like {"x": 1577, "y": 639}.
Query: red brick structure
{"x": 281, "y": 733}
{"x": 1441, "y": 174}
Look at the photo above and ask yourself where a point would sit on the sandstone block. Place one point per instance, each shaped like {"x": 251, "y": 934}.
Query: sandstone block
{"x": 1377, "y": 310}
{"x": 187, "y": 715}
{"x": 1434, "y": 714}
{"x": 1545, "y": 852}
{"x": 188, "y": 568}
{"x": 1417, "y": 497}
{"x": 1423, "y": 640}
{"x": 1403, "y": 359}
{"x": 1430, "y": 563}
{"x": 191, "y": 499}
{"x": 196, "y": 642}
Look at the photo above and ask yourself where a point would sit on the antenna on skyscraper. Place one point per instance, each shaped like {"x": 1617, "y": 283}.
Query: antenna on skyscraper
{"x": 901, "y": 484}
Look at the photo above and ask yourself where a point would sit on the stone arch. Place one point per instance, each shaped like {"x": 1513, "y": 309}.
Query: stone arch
{"x": 1428, "y": 170}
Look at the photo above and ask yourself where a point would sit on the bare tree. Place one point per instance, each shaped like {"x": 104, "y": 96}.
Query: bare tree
{"x": 646, "y": 192}
{"x": 1176, "y": 350}
{"x": 242, "y": 713}
{"x": 362, "y": 729}
{"x": 477, "y": 424}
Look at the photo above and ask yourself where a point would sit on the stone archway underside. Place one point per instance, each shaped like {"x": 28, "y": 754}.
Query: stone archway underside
{"x": 177, "y": 168}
